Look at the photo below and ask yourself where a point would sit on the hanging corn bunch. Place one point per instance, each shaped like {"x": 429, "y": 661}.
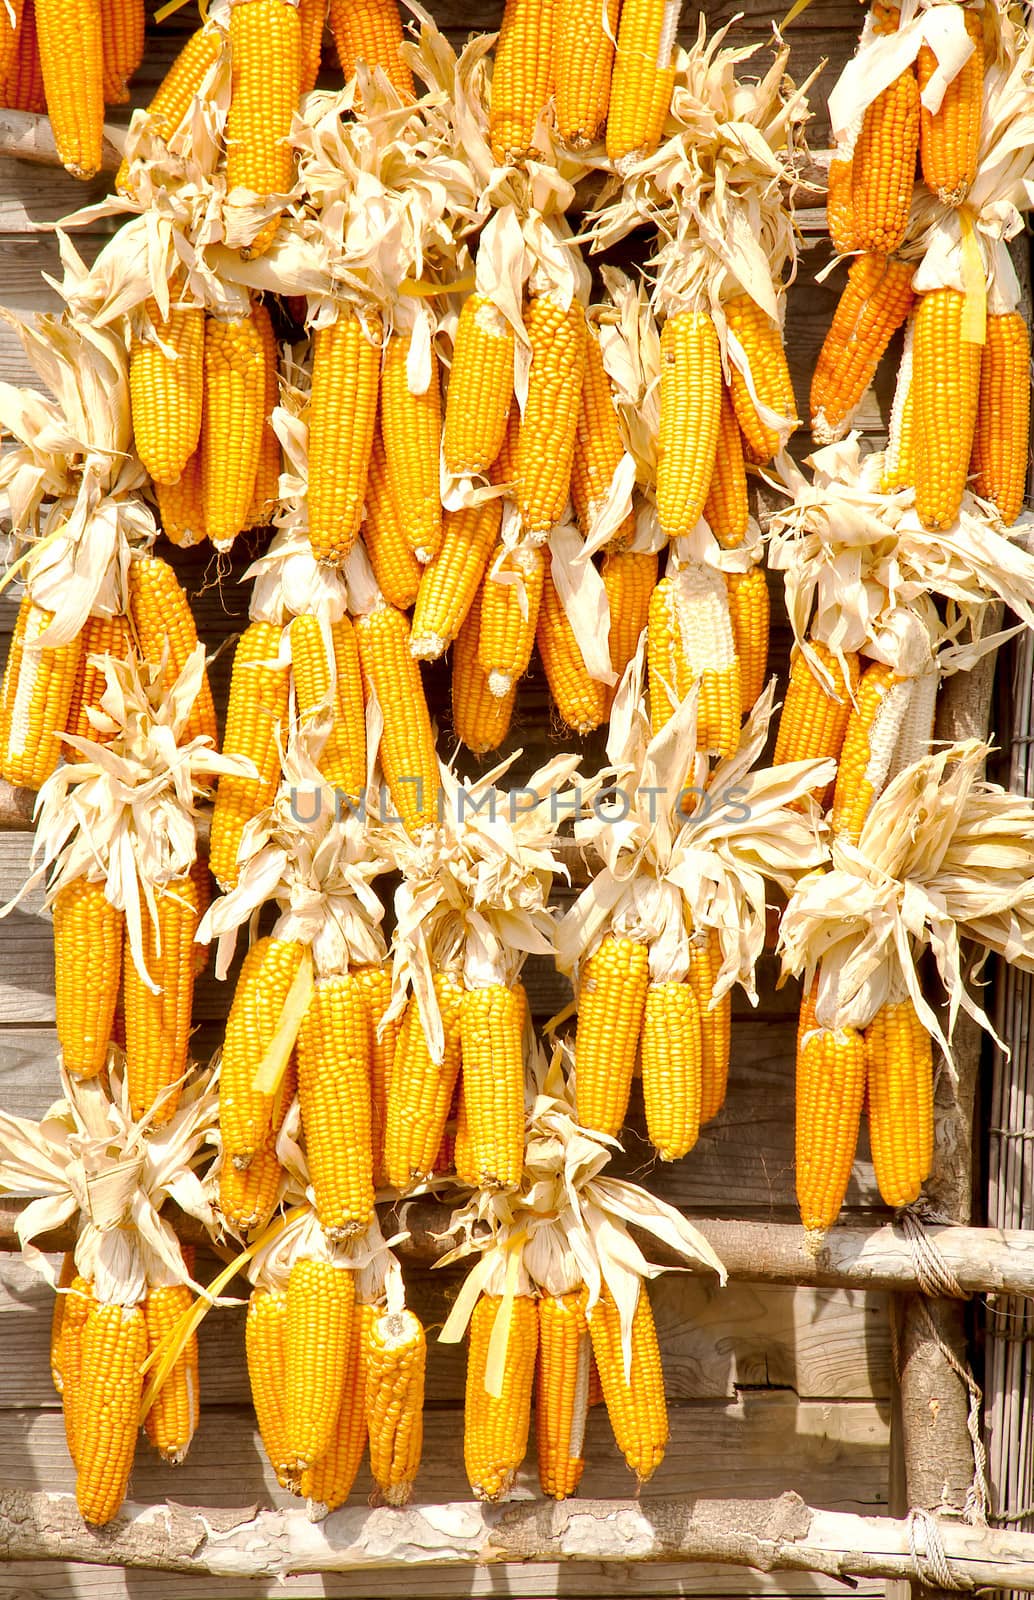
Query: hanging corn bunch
{"x": 131, "y": 1282}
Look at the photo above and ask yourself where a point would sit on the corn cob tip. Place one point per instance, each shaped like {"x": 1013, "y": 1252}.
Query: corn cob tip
{"x": 427, "y": 646}
{"x": 499, "y": 684}
{"x": 825, "y": 432}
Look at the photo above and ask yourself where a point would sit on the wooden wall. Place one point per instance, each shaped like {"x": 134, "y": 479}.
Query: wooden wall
{"x": 770, "y": 1388}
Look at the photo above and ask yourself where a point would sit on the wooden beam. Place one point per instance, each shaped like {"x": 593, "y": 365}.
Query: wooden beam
{"x": 28, "y": 137}
{"x": 782, "y": 1535}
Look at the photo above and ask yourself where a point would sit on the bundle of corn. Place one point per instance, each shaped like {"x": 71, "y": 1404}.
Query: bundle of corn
{"x": 560, "y": 1286}
{"x": 308, "y": 1011}
{"x": 676, "y": 915}
{"x": 89, "y": 1160}
{"x": 942, "y": 856}
{"x": 472, "y": 903}
{"x": 117, "y": 831}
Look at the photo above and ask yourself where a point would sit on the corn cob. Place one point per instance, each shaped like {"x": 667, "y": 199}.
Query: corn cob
{"x": 671, "y": 1049}
{"x": 480, "y": 719}
{"x": 830, "y": 1087}
{"x": 408, "y": 757}
{"x": 114, "y": 1348}
{"x": 635, "y": 1401}
{"x": 643, "y": 78}
{"x": 510, "y": 614}
{"x": 72, "y": 60}
{"x": 158, "y": 1025}
{"x": 328, "y": 1482}
{"x": 173, "y": 97}
{"x": 172, "y": 1420}
{"x": 611, "y": 1006}
{"x": 452, "y": 579}
{"x": 395, "y": 1350}
{"x": 503, "y": 470}
{"x": 101, "y": 636}
{"x": 868, "y": 749}
{"x": 749, "y": 614}
{"x": 1001, "y": 438}
{"x": 705, "y": 960}
{"x": 36, "y": 698}
{"x": 480, "y": 392}
{"x": 421, "y": 1090}
{"x": 246, "y": 1115}
{"x": 122, "y": 41}
{"x": 374, "y": 984}
{"x": 899, "y": 464}
{"x": 726, "y": 511}
{"x": 203, "y": 888}
{"x": 313, "y": 17}
{"x": 629, "y": 578}
{"x": 493, "y": 1083}
{"x": 691, "y": 386}
{"x": 266, "y": 492}
{"x": 395, "y": 566}
{"x": 562, "y": 1392}
{"x": 334, "y": 1095}
{"x": 521, "y": 78}
{"x": 883, "y": 169}
{"x": 875, "y": 302}
{"x": 371, "y": 31}
{"x": 264, "y": 1343}
{"x": 78, "y": 1305}
{"x": 690, "y": 638}
{"x": 411, "y": 425}
{"x": 949, "y": 139}
{"x": 65, "y": 1279}
{"x": 21, "y": 86}
{"x": 166, "y": 391}
{"x": 9, "y": 31}
{"x": 580, "y": 699}
{"x": 839, "y": 204}
{"x": 762, "y": 342}
{"x": 597, "y": 449}
{"x": 231, "y": 427}
{"x": 317, "y": 1334}
{"x": 247, "y": 1198}
{"x": 160, "y": 614}
{"x": 584, "y": 60}
{"x": 87, "y": 971}
{"x": 495, "y": 1428}
{"x": 814, "y": 720}
{"x": 343, "y": 758}
{"x": 266, "y": 60}
{"x": 549, "y": 424}
{"x": 346, "y": 360}
{"x": 256, "y": 712}
{"x": 181, "y": 509}
{"x": 899, "y": 1074}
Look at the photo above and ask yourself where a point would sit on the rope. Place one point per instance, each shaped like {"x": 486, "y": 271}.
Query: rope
{"x": 1015, "y": 1516}
{"x": 933, "y": 1272}
{"x": 933, "y": 1569}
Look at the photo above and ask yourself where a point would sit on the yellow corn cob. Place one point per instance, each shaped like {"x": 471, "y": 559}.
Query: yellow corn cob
{"x": 408, "y": 758}
{"x": 166, "y": 390}
{"x": 245, "y": 1114}
{"x": 65, "y": 1279}
{"x": 72, "y": 59}
{"x": 375, "y": 986}
{"x": 77, "y": 1306}
{"x": 840, "y": 205}
{"x": 690, "y": 637}
{"x": 264, "y": 1343}
{"x": 875, "y": 302}
{"x": 266, "y": 492}
{"x": 36, "y": 698}
{"x": 598, "y": 449}
{"x": 395, "y": 566}
{"x": 705, "y": 960}
{"x": 584, "y": 60}
{"x": 507, "y": 631}
{"x": 181, "y": 508}
{"x": 421, "y": 1090}
{"x": 328, "y": 1482}
{"x": 726, "y": 511}
{"x": 313, "y": 17}
{"x": 231, "y": 428}
{"x": 101, "y": 636}
{"x": 635, "y": 1403}
{"x": 581, "y": 700}
{"x": 868, "y": 747}
{"x": 453, "y": 577}
{"x": 203, "y": 887}
{"x": 1001, "y": 439}
{"x": 247, "y": 1198}
{"x": 503, "y": 470}
{"x": 21, "y": 85}
{"x": 949, "y": 139}
{"x": 317, "y": 1333}
{"x": 411, "y": 425}
{"x": 114, "y": 1349}
{"x": 883, "y": 170}
{"x": 480, "y": 392}
{"x": 371, "y": 31}
{"x": 562, "y": 1392}
{"x": 122, "y": 39}
{"x": 158, "y": 1025}
{"x": 611, "y": 1005}
{"x": 671, "y": 1057}
{"x": 173, "y": 97}
{"x": 545, "y": 450}
{"x": 493, "y": 1083}
{"x": 763, "y": 343}
{"x": 164, "y": 626}
{"x": 343, "y": 758}
{"x": 830, "y": 1087}
{"x": 462, "y": 1159}
{"x": 480, "y": 719}
{"x": 334, "y": 1094}
{"x": 87, "y": 970}
{"x": 495, "y": 1428}
{"x": 629, "y": 577}
{"x": 266, "y": 59}
{"x": 749, "y": 615}
{"x": 643, "y": 78}
{"x": 9, "y": 31}
{"x": 691, "y": 388}
{"x": 395, "y": 1350}
{"x": 899, "y": 464}
{"x": 256, "y": 711}
{"x": 899, "y": 1074}
{"x": 172, "y": 1421}
{"x": 813, "y": 723}
{"x": 522, "y": 78}
{"x": 346, "y": 361}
